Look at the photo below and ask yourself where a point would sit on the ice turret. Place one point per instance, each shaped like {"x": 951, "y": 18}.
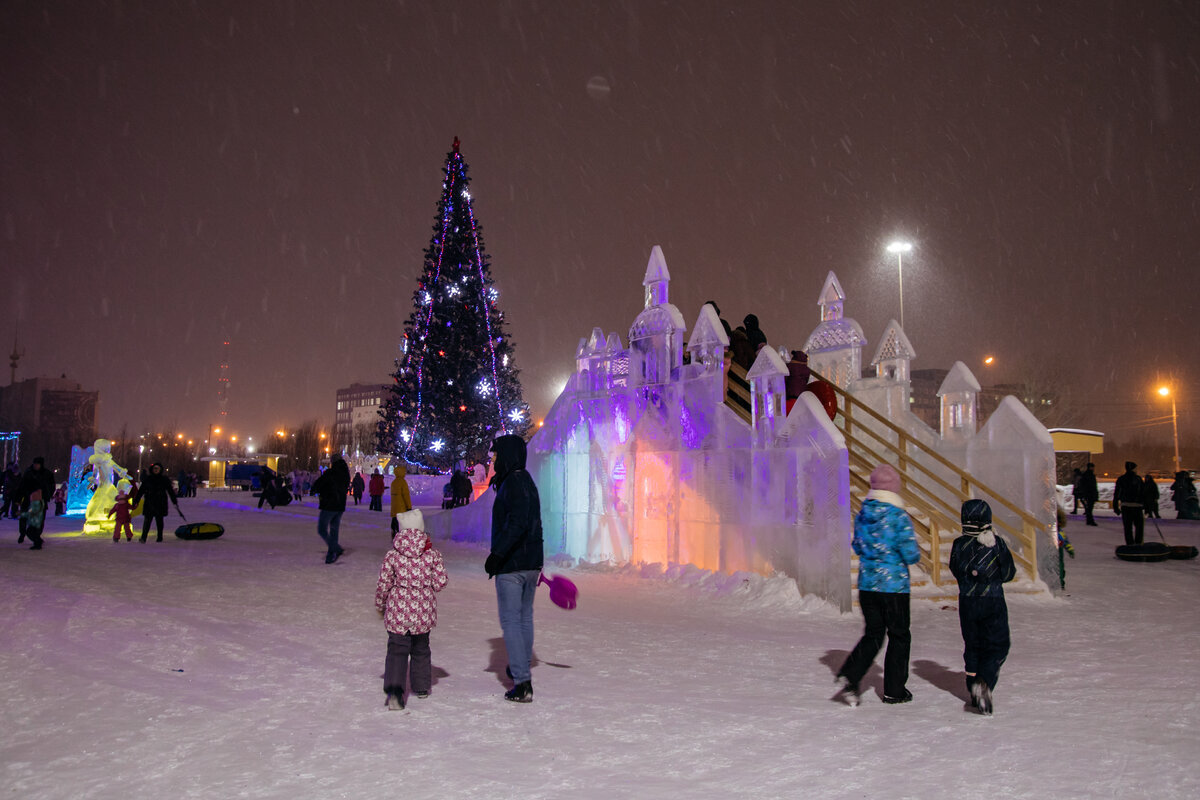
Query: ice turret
{"x": 767, "y": 395}
{"x": 958, "y": 395}
{"x": 835, "y": 346}
{"x": 894, "y": 355}
{"x": 709, "y": 340}
{"x": 656, "y": 338}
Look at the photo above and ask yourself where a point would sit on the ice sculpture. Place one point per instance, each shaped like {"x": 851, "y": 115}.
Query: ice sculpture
{"x": 104, "y": 469}
{"x": 644, "y": 462}
{"x": 640, "y": 460}
{"x": 79, "y": 492}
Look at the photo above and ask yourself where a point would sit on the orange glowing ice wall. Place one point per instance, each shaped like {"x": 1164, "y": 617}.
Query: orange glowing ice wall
{"x": 670, "y": 476}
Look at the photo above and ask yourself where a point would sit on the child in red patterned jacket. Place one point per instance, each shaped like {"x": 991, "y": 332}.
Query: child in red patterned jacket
{"x": 411, "y": 574}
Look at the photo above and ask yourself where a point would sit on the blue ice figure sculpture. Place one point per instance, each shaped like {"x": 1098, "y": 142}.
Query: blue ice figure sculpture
{"x": 79, "y": 492}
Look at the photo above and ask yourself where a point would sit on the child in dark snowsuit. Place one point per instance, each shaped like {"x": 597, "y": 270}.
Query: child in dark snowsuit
{"x": 982, "y": 563}
{"x": 123, "y": 511}
{"x": 34, "y": 518}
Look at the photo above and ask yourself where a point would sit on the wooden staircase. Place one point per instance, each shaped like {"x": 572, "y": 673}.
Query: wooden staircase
{"x": 933, "y": 495}
{"x": 933, "y": 491}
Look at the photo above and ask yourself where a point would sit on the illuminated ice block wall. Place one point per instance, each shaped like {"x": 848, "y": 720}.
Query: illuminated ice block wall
{"x": 641, "y": 461}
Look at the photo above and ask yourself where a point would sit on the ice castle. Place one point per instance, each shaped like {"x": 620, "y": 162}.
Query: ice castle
{"x": 667, "y": 451}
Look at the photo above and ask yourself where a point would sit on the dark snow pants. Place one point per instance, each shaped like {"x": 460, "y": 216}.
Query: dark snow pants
{"x": 883, "y": 613}
{"x": 1134, "y": 523}
{"x": 158, "y": 524}
{"x": 400, "y": 647}
{"x": 984, "y": 625}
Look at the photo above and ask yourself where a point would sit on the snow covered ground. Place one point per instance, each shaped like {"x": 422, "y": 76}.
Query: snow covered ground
{"x": 246, "y": 667}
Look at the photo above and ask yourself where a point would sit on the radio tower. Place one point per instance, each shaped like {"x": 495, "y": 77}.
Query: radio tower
{"x": 223, "y": 384}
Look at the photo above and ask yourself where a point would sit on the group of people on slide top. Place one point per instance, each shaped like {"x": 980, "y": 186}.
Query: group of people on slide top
{"x": 886, "y": 545}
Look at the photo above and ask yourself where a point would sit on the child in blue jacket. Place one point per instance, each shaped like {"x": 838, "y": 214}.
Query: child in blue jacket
{"x": 982, "y": 563}
{"x": 885, "y": 544}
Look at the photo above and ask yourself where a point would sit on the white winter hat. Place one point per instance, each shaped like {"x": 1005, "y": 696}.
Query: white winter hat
{"x": 411, "y": 520}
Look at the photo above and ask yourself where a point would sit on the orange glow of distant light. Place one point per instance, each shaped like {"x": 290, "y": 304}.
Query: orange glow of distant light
{"x": 179, "y": 436}
{"x": 1164, "y": 390}
{"x": 233, "y": 438}
{"x": 541, "y": 422}
{"x": 989, "y": 360}
{"x": 216, "y": 430}
{"x": 322, "y": 436}
{"x": 190, "y": 442}
{"x": 280, "y": 433}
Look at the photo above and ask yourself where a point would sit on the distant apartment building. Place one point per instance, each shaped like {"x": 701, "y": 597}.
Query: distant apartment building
{"x": 357, "y": 417}
{"x": 925, "y": 403}
{"x": 51, "y": 414}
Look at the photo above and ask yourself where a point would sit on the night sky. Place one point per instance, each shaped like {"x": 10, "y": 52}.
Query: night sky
{"x": 175, "y": 173}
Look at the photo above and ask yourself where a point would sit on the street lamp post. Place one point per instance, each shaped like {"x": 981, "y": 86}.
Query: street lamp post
{"x": 900, "y": 248}
{"x": 1165, "y": 391}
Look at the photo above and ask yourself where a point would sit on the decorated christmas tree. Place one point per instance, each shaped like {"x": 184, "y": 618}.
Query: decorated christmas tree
{"x": 455, "y": 387}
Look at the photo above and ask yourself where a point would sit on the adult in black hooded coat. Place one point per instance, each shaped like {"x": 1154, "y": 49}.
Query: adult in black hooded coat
{"x": 36, "y": 478}
{"x": 516, "y": 558}
{"x": 331, "y": 490}
{"x": 156, "y": 490}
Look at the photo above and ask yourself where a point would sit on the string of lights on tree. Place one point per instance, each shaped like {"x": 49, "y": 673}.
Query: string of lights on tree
{"x": 455, "y": 387}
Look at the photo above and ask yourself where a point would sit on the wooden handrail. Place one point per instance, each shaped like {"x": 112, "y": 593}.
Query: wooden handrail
{"x": 941, "y": 514}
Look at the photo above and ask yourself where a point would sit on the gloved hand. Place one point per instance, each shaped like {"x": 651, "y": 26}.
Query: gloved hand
{"x": 492, "y": 565}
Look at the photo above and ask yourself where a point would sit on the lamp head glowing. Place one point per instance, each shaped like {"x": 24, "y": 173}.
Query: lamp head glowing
{"x": 990, "y": 360}
{"x": 899, "y": 247}
{"x": 1164, "y": 390}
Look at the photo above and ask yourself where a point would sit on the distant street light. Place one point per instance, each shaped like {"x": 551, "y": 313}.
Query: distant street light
{"x": 900, "y": 248}
{"x": 1165, "y": 391}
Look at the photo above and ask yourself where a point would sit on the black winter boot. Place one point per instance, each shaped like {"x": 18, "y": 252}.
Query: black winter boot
{"x": 521, "y": 693}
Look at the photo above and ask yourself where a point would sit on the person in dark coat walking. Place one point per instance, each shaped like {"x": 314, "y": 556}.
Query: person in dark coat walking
{"x": 1127, "y": 501}
{"x": 1150, "y": 498}
{"x": 36, "y": 479}
{"x": 156, "y": 490}
{"x": 1089, "y": 492}
{"x": 357, "y": 486}
{"x": 12, "y": 479}
{"x": 982, "y": 564}
{"x": 886, "y": 546}
{"x": 1075, "y": 490}
{"x": 515, "y": 560}
{"x": 331, "y": 489}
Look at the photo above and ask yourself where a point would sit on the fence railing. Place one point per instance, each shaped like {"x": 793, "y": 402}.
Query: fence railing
{"x": 935, "y": 501}
{"x": 869, "y": 437}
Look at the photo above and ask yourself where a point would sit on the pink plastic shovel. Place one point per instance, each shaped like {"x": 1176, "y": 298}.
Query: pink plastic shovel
{"x": 563, "y": 593}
